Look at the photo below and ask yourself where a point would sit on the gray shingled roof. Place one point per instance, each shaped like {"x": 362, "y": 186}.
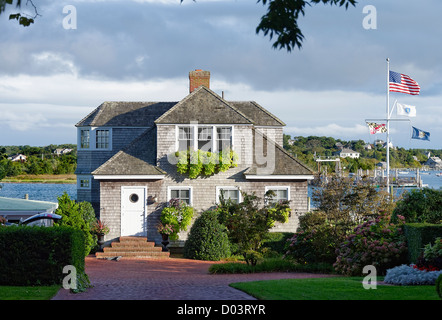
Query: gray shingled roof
{"x": 284, "y": 164}
{"x": 259, "y": 115}
{"x": 121, "y": 114}
{"x": 205, "y": 107}
{"x": 139, "y": 158}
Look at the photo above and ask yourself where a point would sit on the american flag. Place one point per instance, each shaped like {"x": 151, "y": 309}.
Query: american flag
{"x": 403, "y": 83}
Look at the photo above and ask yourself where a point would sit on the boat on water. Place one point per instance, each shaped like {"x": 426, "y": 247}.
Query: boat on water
{"x": 439, "y": 174}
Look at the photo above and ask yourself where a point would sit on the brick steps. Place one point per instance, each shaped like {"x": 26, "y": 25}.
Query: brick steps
{"x": 132, "y": 248}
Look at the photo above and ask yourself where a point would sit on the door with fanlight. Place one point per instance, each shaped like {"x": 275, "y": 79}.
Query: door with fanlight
{"x": 133, "y": 211}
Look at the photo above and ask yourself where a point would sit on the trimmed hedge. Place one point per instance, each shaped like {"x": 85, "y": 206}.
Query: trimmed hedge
{"x": 418, "y": 235}
{"x": 36, "y": 255}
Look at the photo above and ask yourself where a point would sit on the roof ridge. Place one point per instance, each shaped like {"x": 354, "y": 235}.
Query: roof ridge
{"x": 200, "y": 88}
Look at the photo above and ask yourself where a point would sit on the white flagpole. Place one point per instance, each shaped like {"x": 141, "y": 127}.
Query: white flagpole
{"x": 388, "y": 125}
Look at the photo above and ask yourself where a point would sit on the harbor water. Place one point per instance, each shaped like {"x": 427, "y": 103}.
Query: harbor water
{"x": 51, "y": 191}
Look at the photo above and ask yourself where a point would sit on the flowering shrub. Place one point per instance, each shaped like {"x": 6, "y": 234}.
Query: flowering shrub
{"x": 378, "y": 243}
{"x": 409, "y": 275}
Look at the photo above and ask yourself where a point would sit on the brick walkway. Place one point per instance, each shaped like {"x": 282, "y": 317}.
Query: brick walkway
{"x": 166, "y": 279}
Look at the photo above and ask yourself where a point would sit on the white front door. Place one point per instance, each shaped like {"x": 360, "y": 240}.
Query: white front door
{"x": 133, "y": 211}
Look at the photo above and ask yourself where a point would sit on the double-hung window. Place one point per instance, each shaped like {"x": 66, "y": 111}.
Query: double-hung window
{"x": 224, "y": 138}
{"x": 231, "y": 193}
{"x": 182, "y": 193}
{"x": 185, "y": 138}
{"x": 280, "y": 193}
{"x": 205, "y": 138}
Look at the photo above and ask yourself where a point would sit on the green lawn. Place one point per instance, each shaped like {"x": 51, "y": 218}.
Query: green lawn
{"x": 336, "y": 288}
{"x": 28, "y": 293}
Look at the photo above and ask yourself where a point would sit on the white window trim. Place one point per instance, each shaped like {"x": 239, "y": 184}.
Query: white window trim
{"x": 84, "y": 177}
{"x": 267, "y": 188}
{"x": 218, "y": 192}
{"x": 93, "y": 139}
{"x": 195, "y": 127}
{"x": 170, "y": 188}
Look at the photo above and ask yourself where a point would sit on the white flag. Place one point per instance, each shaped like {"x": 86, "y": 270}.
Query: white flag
{"x": 405, "y": 110}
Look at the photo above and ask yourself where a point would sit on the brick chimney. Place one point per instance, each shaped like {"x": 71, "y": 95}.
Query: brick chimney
{"x": 198, "y": 78}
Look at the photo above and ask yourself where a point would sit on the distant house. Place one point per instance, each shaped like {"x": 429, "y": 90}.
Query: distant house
{"x": 348, "y": 153}
{"x": 59, "y": 152}
{"x": 17, "y": 158}
{"x": 434, "y": 163}
{"x": 381, "y": 165}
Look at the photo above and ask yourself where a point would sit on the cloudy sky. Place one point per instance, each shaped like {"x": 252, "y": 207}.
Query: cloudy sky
{"x": 142, "y": 50}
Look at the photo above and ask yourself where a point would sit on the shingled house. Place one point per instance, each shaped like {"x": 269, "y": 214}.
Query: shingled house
{"x": 126, "y": 166}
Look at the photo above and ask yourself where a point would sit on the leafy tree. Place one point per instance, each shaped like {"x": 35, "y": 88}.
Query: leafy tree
{"x": 281, "y": 20}
{"x": 248, "y": 223}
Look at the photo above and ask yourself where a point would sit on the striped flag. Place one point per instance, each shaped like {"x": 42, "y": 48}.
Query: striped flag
{"x": 403, "y": 83}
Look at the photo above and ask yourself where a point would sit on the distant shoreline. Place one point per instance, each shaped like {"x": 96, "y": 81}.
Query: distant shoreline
{"x": 42, "y": 178}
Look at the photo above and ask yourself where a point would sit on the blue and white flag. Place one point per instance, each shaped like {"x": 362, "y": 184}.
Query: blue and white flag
{"x": 420, "y": 134}
{"x": 405, "y": 110}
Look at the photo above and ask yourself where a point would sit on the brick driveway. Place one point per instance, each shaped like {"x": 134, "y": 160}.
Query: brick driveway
{"x": 166, "y": 279}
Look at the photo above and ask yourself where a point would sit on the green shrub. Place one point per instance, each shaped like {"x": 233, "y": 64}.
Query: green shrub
{"x": 248, "y": 223}
{"x": 37, "y": 255}
{"x": 178, "y": 215}
{"x": 420, "y": 206}
{"x": 207, "y": 239}
{"x": 77, "y": 215}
